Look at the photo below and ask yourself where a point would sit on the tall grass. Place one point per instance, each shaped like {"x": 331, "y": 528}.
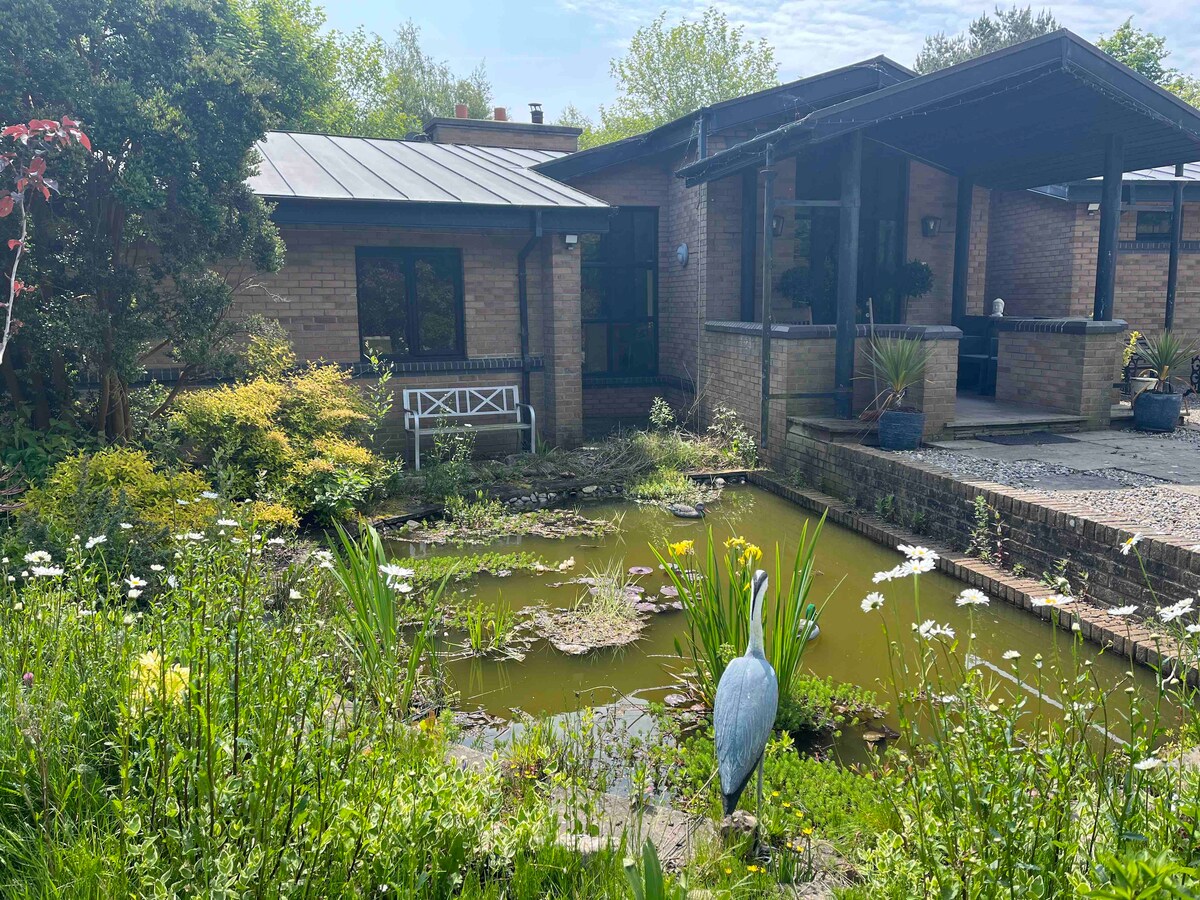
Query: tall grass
{"x": 715, "y": 590}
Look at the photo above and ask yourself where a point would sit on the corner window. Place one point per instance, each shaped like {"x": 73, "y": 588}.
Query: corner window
{"x": 410, "y": 302}
{"x": 619, "y": 272}
{"x": 1154, "y": 225}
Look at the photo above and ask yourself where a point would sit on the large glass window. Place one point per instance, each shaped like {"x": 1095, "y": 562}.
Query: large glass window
{"x": 410, "y": 302}
{"x": 620, "y": 296}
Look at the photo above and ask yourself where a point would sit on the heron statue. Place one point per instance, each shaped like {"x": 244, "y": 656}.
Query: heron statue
{"x": 744, "y": 711}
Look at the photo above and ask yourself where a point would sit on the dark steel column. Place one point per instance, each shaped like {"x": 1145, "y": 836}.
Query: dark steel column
{"x": 847, "y": 273}
{"x": 749, "y": 241}
{"x": 1176, "y": 244}
{"x": 962, "y": 251}
{"x": 768, "y": 249}
{"x": 1110, "y": 227}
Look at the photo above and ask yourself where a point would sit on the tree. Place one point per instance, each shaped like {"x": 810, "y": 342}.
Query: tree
{"x": 671, "y": 71}
{"x": 1146, "y": 53}
{"x": 391, "y": 88}
{"x": 128, "y": 262}
{"x": 986, "y": 34}
{"x": 1140, "y": 50}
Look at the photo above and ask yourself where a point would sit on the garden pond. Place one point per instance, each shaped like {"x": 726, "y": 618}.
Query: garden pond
{"x": 851, "y": 646}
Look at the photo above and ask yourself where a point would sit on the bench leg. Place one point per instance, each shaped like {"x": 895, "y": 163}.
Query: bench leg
{"x": 417, "y": 449}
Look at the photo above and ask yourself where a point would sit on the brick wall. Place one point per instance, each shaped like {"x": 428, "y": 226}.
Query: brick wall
{"x": 488, "y": 133}
{"x": 1040, "y": 530}
{"x": 1067, "y": 372}
{"x": 315, "y": 297}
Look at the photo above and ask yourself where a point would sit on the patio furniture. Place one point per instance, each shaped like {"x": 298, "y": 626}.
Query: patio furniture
{"x": 443, "y": 410}
{"x": 978, "y": 352}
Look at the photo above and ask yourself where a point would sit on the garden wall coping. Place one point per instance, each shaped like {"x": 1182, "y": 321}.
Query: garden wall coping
{"x": 829, "y": 332}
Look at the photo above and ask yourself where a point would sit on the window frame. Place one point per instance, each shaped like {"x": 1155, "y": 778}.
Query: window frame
{"x": 1156, "y": 237}
{"x": 611, "y": 322}
{"x": 408, "y": 257}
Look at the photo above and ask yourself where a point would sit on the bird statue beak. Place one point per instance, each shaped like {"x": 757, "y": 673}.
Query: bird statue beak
{"x": 758, "y": 584}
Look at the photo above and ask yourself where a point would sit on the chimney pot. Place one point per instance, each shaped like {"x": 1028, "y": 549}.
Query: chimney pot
{"x": 500, "y": 114}
{"x": 536, "y": 116}
{"x": 461, "y": 111}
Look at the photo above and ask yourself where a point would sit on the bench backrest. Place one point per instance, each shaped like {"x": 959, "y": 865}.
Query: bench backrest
{"x": 460, "y": 402}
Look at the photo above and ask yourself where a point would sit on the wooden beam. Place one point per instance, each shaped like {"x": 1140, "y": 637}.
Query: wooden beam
{"x": 1176, "y": 244}
{"x": 749, "y": 241}
{"x": 768, "y": 250}
{"x": 962, "y": 251}
{"x": 847, "y": 276}
{"x": 1110, "y": 227}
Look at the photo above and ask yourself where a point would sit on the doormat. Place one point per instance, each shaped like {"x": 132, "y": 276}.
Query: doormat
{"x": 1033, "y": 439}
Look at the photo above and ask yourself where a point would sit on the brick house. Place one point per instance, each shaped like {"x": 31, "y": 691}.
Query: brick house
{"x": 480, "y": 252}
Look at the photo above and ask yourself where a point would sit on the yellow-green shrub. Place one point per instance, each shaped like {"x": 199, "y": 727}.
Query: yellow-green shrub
{"x": 293, "y": 439}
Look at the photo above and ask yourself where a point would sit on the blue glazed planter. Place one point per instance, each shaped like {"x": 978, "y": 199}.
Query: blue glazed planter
{"x": 901, "y": 430}
{"x": 1156, "y": 412}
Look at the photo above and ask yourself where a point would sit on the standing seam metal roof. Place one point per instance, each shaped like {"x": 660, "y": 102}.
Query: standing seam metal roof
{"x": 299, "y": 165}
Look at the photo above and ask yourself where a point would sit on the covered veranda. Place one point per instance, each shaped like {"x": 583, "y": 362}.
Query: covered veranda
{"x": 1051, "y": 110}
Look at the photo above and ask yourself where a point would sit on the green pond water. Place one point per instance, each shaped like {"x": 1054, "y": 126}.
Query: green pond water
{"x": 851, "y": 646}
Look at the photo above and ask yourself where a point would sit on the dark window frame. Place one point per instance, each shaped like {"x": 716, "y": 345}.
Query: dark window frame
{"x": 1155, "y": 235}
{"x": 614, "y": 322}
{"x": 408, "y": 256}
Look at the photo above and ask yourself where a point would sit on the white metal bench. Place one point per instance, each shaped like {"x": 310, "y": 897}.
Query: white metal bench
{"x": 433, "y": 411}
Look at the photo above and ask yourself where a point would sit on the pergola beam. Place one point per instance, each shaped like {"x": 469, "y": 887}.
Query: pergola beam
{"x": 1110, "y": 222}
{"x": 847, "y": 272}
{"x": 1176, "y": 245}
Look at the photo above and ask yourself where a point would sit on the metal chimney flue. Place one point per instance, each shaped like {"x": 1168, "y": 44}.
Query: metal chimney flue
{"x": 536, "y": 116}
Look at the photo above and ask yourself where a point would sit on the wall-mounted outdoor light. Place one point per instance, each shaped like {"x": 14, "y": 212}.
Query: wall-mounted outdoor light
{"x": 570, "y": 240}
{"x": 681, "y": 253}
{"x": 930, "y": 226}
{"x": 777, "y": 226}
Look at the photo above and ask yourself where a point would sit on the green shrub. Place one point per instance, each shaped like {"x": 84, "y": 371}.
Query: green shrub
{"x": 294, "y": 439}
{"x": 117, "y": 492}
{"x": 818, "y": 704}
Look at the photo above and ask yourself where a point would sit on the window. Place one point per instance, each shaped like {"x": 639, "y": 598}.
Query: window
{"x": 410, "y": 302}
{"x": 1154, "y": 225}
{"x": 620, "y": 296}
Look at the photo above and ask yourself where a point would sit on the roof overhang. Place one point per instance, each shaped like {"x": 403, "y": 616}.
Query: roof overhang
{"x": 440, "y": 216}
{"x": 1034, "y": 114}
{"x": 773, "y": 105}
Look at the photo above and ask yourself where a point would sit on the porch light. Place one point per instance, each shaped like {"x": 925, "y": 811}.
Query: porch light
{"x": 930, "y": 226}
{"x": 570, "y": 239}
{"x": 777, "y": 226}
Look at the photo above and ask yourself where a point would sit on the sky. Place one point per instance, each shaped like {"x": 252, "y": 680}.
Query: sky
{"x": 557, "y": 52}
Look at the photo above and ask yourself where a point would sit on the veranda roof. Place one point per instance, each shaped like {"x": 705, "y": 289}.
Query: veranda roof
{"x": 1036, "y": 113}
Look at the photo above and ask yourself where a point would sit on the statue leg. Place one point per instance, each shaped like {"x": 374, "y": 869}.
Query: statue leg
{"x": 758, "y": 805}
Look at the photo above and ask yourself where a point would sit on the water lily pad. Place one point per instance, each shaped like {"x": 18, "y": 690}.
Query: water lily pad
{"x": 668, "y": 590}
{"x": 640, "y": 570}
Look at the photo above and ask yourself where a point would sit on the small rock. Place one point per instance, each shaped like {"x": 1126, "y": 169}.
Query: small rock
{"x": 720, "y": 482}
{"x": 676, "y": 701}
{"x": 739, "y": 824}
{"x": 590, "y": 489}
{"x": 586, "y": 845}
{"x": 571, "y": 649}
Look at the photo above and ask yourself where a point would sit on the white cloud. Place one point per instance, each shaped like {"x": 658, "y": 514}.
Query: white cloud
{"x": 810, "y": 36}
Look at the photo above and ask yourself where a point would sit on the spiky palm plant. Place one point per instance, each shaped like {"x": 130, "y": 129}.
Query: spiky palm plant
{"x": 1163, "y": 354}
{"x": 899, "y": 363}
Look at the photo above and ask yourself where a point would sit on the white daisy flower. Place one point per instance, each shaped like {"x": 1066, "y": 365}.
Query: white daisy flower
{"x": 391, "y": 570}
{"x": 1175, "y": 610}
{"x": 872, "y": 601}
{"x": 125, "y": 526}
{"x": 133, "y": 593}
{"x": 181, "y": 502}
{"x": 155, "y": 567}
{"x": 972, "y": 597}
{"x": 913, "y": 552}
{"x": 1123, "y": 610}
{"x": 889, "y": 575}
{"x": 228, "y": 523}
{"x": 1053, "y": 600}
{"x": 1129, "y": 543}
{"x": 95, "y": 541}
{"x": 46, "y": 571}
{"x": 930, "y": 629}
{"x": 916, "y": 566}
{"x": 210, "y": 495}
{"x": 294, "y": 594}
{"x": 37, "y": 557}
{"x": 1011, "y": 654}
{"x": 1145, "y": 765}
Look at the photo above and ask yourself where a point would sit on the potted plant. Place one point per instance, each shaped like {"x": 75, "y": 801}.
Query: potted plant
{"x": 1137, "y": 381}
{"x": 899, "y": 363}
{"x": 1157, "y": 408}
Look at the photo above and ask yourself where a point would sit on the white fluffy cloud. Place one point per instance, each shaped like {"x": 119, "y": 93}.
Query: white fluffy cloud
{"x": 813, "y": 35}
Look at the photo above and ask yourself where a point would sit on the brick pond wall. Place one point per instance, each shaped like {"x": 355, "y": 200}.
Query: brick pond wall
{"x": 1040, "y": 530}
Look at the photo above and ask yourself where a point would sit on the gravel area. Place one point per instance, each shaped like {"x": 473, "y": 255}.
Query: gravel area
{"x": 1161, "y": 509}
{"x": 1025, "y": 473}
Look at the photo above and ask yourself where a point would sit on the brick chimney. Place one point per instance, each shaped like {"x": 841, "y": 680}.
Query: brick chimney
{"x": 499, "y": 131}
